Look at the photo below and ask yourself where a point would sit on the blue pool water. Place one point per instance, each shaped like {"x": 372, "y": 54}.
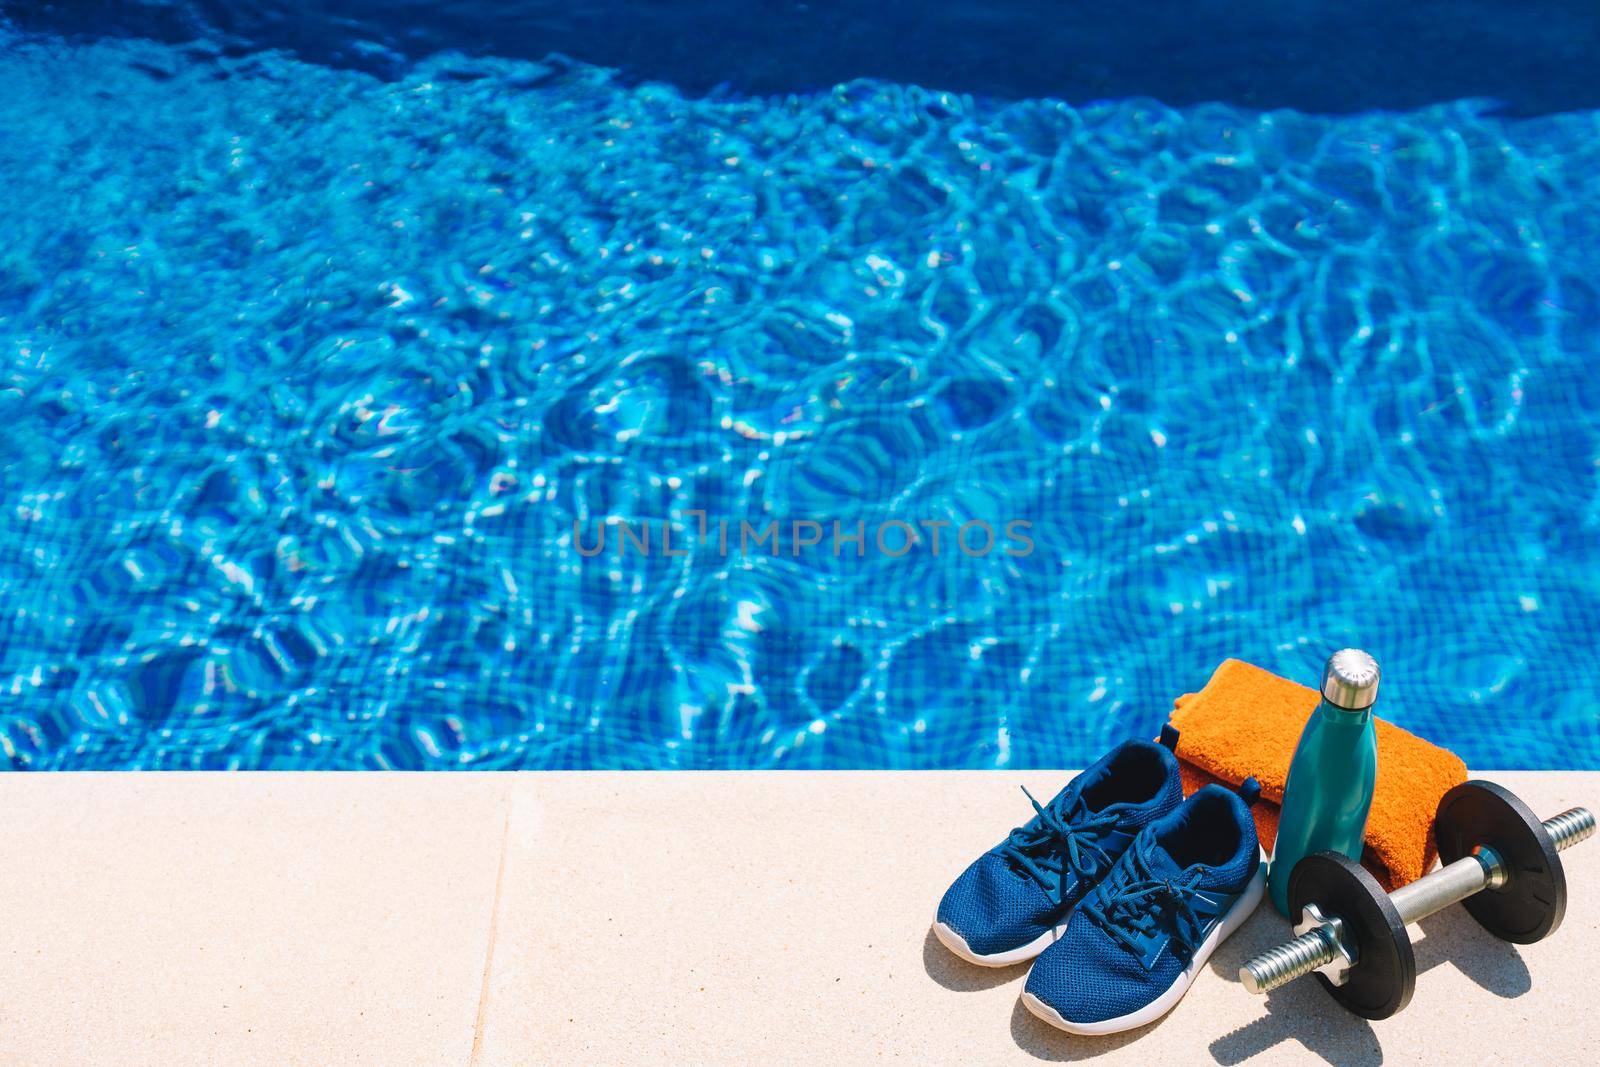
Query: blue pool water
{"x": 314, "y": 350}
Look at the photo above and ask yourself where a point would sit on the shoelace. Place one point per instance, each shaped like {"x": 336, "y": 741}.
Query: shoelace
{"x": 1136, "y": 904}
{"x": 1056, "y": 836}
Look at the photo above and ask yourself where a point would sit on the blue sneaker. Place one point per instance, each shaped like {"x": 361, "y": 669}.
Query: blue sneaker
{"x": 1139, "y": 938}
{"x": 1013, "y": 901}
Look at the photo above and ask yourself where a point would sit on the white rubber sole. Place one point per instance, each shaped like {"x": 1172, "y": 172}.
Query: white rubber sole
{"x": 1168, "y": 1000}
{"x": 957, "y": 944}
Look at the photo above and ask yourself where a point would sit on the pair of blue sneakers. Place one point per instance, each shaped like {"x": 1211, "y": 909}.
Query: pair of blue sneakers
{"x": 1120, "y": 887}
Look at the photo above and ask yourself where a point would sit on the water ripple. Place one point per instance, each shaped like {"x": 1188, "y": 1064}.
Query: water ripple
{"x": 315, "y": 384}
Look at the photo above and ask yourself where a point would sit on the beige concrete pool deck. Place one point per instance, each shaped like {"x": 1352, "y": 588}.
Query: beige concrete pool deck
{"x": 702, "y": 918}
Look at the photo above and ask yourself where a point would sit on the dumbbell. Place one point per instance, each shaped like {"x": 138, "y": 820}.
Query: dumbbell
{"x": 1499, "y": 861}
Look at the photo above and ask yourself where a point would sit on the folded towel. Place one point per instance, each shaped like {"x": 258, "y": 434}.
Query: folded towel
{"x": 1247, "y": 721}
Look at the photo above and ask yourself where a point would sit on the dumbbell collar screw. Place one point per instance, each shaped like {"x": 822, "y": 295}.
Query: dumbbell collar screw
{"x": 1331, "y": 929}
{"x": 1495, "y": 875}
{"x": 1321, "y": 940}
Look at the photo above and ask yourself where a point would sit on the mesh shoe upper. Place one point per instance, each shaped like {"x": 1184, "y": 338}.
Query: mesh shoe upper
{"x": 996, "y": 909}
{"x": 1125, "y": 945}
{"x": 1023, "y": 886}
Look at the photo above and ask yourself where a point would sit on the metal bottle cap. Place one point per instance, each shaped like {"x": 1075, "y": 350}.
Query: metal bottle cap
{"x": 1350, "y": 680}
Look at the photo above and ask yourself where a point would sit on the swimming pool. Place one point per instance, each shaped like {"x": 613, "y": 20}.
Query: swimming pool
{"x": 329, "y": 352}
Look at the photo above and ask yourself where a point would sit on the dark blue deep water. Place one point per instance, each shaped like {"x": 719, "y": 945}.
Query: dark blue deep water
{"x": 333, "y": 336}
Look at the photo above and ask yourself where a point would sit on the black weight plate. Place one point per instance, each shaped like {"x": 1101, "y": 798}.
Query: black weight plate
{"x": 1385, "y": 973}
{"x": 1530, "y": 905}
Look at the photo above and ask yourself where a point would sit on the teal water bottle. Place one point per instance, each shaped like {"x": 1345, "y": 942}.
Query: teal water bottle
{"x": 1329, "y": 790}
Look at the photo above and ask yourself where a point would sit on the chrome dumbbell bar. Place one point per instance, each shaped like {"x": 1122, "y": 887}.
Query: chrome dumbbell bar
{"x": 1499, "y": 862}
{"x": 1484, "y": 869}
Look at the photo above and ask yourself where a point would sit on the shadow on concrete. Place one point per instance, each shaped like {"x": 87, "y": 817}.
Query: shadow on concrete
{"x": 1302, "y": 1014}
{"x": 1299, "y": 1016}
{"x": 1043, "y": 1041}
{"x": 953, "y": 973}
{"x": 1452, "y": 937}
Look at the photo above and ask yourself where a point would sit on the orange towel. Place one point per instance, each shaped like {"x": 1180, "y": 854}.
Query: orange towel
{"x": 1247, "y": 721}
